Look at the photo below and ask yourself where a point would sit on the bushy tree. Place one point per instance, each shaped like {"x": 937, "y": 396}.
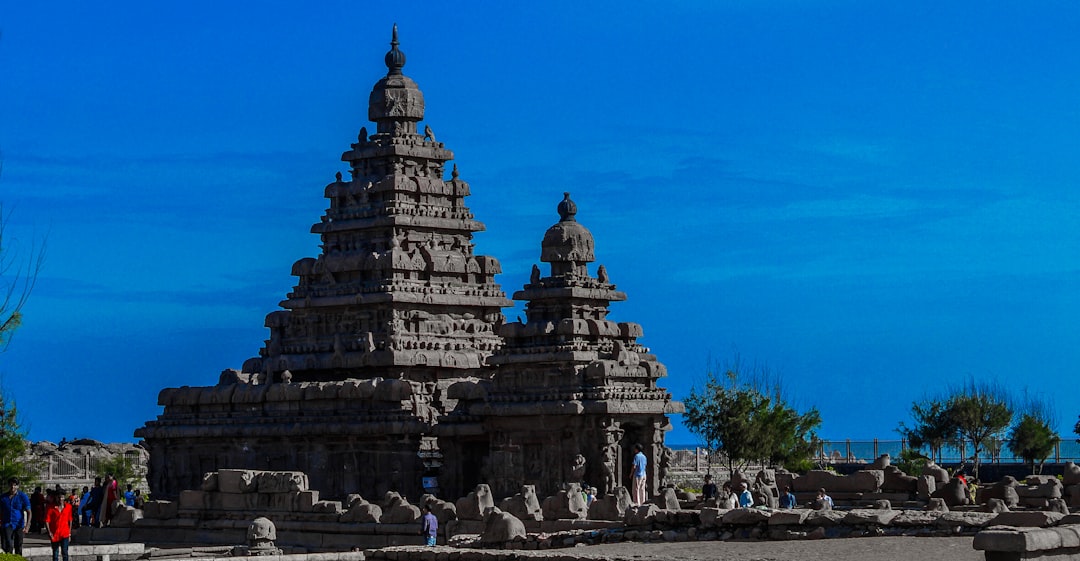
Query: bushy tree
{"x": 1033, "y": 437}
{"x": 977, "y": 413}
{"x": 13, "y": 462}
{"x": 745, "y": 419}
{"x": 126, "y": 470}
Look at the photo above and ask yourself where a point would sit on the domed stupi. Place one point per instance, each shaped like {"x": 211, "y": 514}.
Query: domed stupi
{"x": 390, "y": 367}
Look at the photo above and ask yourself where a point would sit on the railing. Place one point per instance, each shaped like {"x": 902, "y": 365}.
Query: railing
{"x": 696, "y": 458}
{"x": 51, "y": 469}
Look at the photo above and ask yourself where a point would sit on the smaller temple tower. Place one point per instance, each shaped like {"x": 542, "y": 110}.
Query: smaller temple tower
{"x": 573, "y": 391}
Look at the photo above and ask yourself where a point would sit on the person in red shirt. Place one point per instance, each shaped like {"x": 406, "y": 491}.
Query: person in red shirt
{"x": 58, "y": 524}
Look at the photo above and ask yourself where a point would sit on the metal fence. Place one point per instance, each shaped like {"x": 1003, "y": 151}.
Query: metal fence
{"x": 696, "y": 458}
{"x": 52, "y": 469}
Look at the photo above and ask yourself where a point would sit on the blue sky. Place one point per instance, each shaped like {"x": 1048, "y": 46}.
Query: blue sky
{"x": 872, "y": 199}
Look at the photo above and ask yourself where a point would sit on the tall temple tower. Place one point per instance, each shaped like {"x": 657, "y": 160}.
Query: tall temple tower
{"x": 397, "y": 291}
{"x": 574, "y": 391}
{"x": 395, "y": 310}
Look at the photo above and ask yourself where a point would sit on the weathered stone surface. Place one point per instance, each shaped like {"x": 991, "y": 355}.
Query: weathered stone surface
{"x": 501, "y": 527}
{"x": 925, "y": 486}
{"x": 866, "y": 481}
{"x": 667, "y": 499}
{"x": 1058, "y": 505}
{"x": 1005, "y": 489}
{"x": 611, "y": 506}
{"x": 362, "y": 511}
{"x": 824, "y": 518}
{"x": 1040, "y": 487}
{"x": 281, "y": 481}
{"x": 912, "y": 518}
{"x": 397, "y": 510}
{"x": 790, "y": 517}
{"x": 711, "y": 516}
{"x": 869, "y": 516}
{"x": 210, "y": 481}
{"x": 237, "y": 480}
{"x": 125, "y": 517}
{"x": 745, "y": 516}
{"x": 1036, "y": 519}
{"x": 160, "y": 510}
{"x": 327, "y": 507}
{"x": 940, "y": 474}
{"x": 525, "y": 505}
{"x": 954, "y": 493}
{"x": 897, "y": 481}
{"x": 1071, "y": 474}
{"x": 1036, "y": 541}
{"x": 444, "y": 511}
{"x": 641, "y": 515}
{"x": 937, "y": 504}
{"x": 967, "y": 519}
{"x": 475, "y": 504}
{"x": 567, "y": 504}
{"x": 882, "y": 504}
{"x": 995, "y": 506}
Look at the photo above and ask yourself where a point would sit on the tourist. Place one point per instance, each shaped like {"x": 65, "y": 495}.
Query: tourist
{"x": 84, "y": 507}
{"x": 746, "y": 500}
{"x": 73, "y": 502}
{"x": 637, "y": 476}
{"x": 824, "y": 501}
{"x": 730, "y": 500}
{"x": 708, "y": 490}
{"x": 58, "y": 521}
{"x": 787, "y": 498}
{"x": 431, "y": 526}
{"x": 129, "y": 496}
{"x": 37, "y": 510}
{"x": 93, "y": 506}
{"x": 138, "y": 499}
{"x": 112, "y": 494}
{"x": 590, "y": 496}
{"x": 14, "y": 517}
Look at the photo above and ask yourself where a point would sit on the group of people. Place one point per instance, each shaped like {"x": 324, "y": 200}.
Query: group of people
{"x": 57, "y": 512}
{"x": 741, "y": 497}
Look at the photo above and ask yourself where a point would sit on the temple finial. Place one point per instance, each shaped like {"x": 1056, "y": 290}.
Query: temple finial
{"x": 395, "y": 59}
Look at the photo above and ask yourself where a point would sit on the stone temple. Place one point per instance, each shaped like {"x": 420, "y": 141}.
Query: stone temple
{"x": 391, "y": 367}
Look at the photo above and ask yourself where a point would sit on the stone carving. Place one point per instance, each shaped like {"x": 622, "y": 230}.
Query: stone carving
{"x": 397, "y": 510}
{"x": 428, "y": 133}
{"x": 667, "y": 499}
{"x": 937, "y": 505}
{"x": 261, "y": 536}
{"x": 883, "y": 461}
{"x": 940, "y": 474}
{"x": 567, "y": 504}
{"x": 897, "y": 481}
{"x": 501, "y": 527}
{"x": 444, "y": 511}
{"x": 475, "y": 504}
{"x": 360, "y": 510}
{"x": 577, "y": 468}
{"x": 995, "y": 506}
{"x": 523, "y": 505}
{"x": 611, "y": 506}
{"x": 1005, "y": 490}
{"x": 954, "y": 493}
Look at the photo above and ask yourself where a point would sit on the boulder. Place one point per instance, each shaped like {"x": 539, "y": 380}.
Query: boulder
{"x": 501, "y": 527}
{"x": 475, "y": 504}
{"x": 525, "y": 505}
{"x": 611, "y": 506}
{"x": 1004, "y": 490}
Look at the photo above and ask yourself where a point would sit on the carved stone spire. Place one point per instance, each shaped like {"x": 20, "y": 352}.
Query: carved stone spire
{"x": 395, "y": 59}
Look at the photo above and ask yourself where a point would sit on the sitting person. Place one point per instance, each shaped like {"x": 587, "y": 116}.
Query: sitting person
{"x": 728, "y": 499}
{"x": 746, "y": 499}
{"x": 708, "y": 490}
{"x": 787, "y": 498}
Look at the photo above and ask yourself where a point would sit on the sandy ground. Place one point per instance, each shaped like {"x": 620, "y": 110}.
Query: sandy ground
{"x": 861, "y": 549}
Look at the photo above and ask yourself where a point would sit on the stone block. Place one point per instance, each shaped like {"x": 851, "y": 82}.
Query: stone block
{"x": 745, "y": 516}
{"x": 925, "y": 486}
{"x": 965, "y": 519}
{"x": 823, "y": 518}
{"x": 125, "y": 517}
{"x": 1070, "y": 535}
{"x": 1022, "y": 519}
{"x": 236, "y": 501}
{"x": 237, "y": 480}
{"x": 281, "y": 481}
{"x": 209, "y": 481}
{"x": 641, "y": 515}
{"x": 876, "y": 517}
{"x": 791, "y": 517}
{"x": 710, "y": 516}
{"x": 667, "y": 499}
{"x": 192, "y": 499}
{"x": 327, "y": 507}
{"x": 277, "y": 502}
{"x": 160, "y": 510}
{"x": 305, "y": 500}
{"x": 915, "y": 518}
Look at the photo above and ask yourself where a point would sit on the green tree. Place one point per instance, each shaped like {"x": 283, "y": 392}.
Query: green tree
{"x": 125, "y": 469}
{"x": 745, "y": 419}
{"x": 1033, "y": 437}
{"x": 933, "y": 426}
{"x": 982, "y": 412}
{"x": 13, "y": 461}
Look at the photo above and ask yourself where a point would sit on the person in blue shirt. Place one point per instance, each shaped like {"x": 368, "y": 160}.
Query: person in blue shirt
{"x": 787, "y": 498}
{"x": 746, "y": 500}
{"x": 14, "y": 517}
{"x": 431, "y": 526}
{"x": 637, "y": 476}
{"x": 129, "y": 496}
